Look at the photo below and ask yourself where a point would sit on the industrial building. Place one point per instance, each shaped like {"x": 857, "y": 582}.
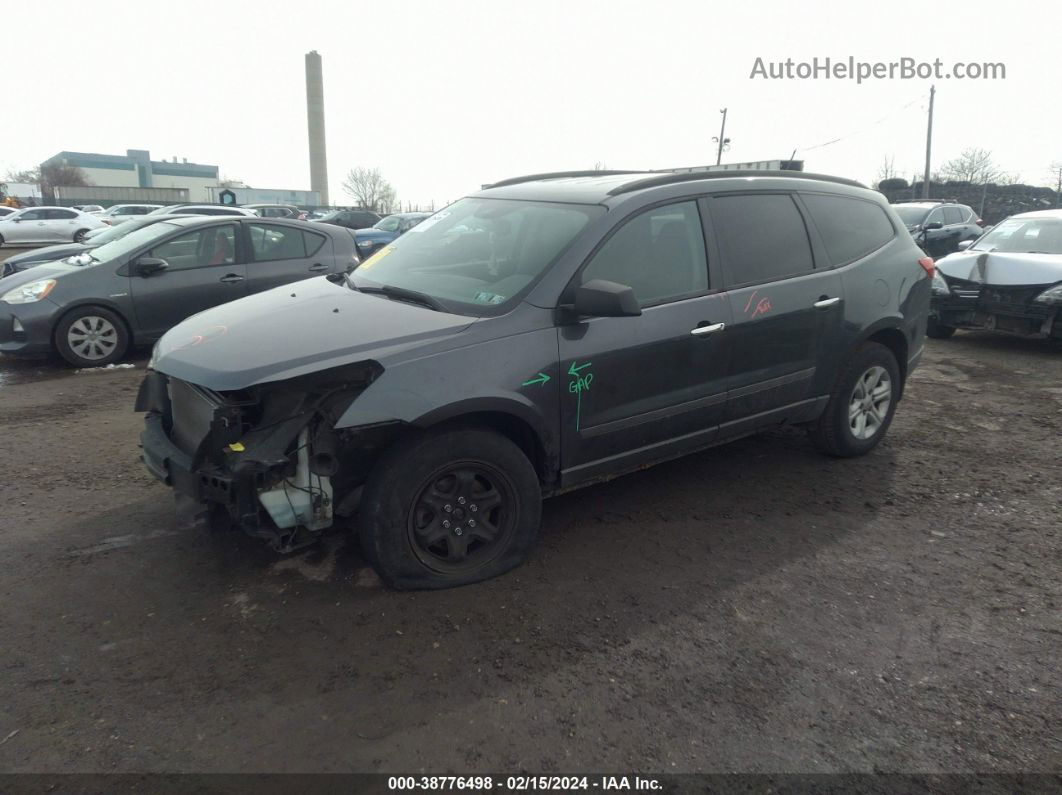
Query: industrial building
{"x": 136, "y": 169}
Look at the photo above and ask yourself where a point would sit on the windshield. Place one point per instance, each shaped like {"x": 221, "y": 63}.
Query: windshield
{"x": 477, "y": 253}
{"x": 388, "y": 224}
{"x": 911, "y": 215}
{"x": 125, "y": 243}
{"x": 1024, "y": 236}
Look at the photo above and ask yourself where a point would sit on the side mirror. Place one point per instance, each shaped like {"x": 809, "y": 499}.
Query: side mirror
{"x": 933, "y": 225}
{"x": 148, "y": 266}
{"x": 601, "y": 298}
{"x": 965, "y": 244}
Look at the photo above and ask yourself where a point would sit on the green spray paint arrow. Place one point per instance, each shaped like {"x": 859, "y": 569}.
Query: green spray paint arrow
{"x": 573, "y": 370}
{"x": 542, "y": 378}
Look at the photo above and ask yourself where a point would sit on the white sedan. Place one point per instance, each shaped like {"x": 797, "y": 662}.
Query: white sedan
{"x": 123, "y": 212}
{"x": 46, "y": 225}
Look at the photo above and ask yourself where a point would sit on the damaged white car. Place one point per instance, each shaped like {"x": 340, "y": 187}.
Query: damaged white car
{"x": 1009, "y": 279}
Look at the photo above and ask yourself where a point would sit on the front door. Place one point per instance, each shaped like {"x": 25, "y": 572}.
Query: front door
{"x": 203, "y": 269}
{"x": 284, "y": 254}
{"x": 785, "y": 312}
{"x": 31, "y": 226}
{"x": 635, "y": 386}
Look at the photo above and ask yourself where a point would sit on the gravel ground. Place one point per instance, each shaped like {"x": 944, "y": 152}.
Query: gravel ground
{"x": 756, "y": 607}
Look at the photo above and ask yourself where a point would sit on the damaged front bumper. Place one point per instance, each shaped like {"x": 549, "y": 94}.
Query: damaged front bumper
{"x": 263, "y": 459}
{"x": 972, "y": 305}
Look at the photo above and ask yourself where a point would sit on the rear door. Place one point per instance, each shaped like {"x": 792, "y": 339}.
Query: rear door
{"x": 786, "y": 313}
{"x": 632, "y": 385}
{"x": 205, "y": 268}
{"x": 281, "y": 254}
{"x": 62, "y": 225}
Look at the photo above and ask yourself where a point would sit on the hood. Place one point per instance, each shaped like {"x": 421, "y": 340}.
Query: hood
{"x": 45, "y": 270}
{"x": 1002, "y": 268}
{"x": 293, "y": 330}
{"x": 48, "y": 253}
{"x": 372, "y": 234}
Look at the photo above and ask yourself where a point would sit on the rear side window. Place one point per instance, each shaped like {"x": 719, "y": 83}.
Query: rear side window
{"x": 850, "y": 228}
{"x": 61, "y": 215}
{"x": 269, "y": 242}
{"x": 762, "y": 237}
{"x": 954, "y": 215}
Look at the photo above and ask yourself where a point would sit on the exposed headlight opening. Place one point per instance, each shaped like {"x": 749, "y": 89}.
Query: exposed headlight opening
{"x": 29, "y": 293}
{"x": 1052, "y": 296}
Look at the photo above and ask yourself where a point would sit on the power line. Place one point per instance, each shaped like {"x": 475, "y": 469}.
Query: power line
{"x": 884, "y": 118}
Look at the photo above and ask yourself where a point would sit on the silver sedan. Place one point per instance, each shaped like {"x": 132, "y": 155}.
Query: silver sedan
{"x": 47, "y": 225}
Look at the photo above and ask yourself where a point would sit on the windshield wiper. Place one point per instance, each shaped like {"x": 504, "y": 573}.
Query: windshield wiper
{"x": 402, "y": 294}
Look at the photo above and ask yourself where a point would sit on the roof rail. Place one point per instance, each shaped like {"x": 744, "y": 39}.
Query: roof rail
{"x": 671, "y": 178}
{"x": 558, "y": 175}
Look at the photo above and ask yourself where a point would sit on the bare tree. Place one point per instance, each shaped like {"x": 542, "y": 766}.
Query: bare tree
{"x": 887, "y": 170}
{"x": 230, "y": 182}
{"x": 370, "y": 190}
{"x": 977, "y": 167}
{"x": 30, "y": 176}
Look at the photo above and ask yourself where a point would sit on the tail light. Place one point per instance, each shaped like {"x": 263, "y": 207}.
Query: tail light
{"x": 980, "y": 223}
{"x": 927, "y": 265}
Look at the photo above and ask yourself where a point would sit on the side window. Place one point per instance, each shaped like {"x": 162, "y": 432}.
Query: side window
{"x": 935, "y": 217}
{"x": 32, "y": 215}
{"x": 658, "y": 253}
{"x": 313, "y": 243}
{"x": 953, "y": 215}
{"x": 215, "y": 245}
{"x": 850, "y": 228}
{"x": 762, "y": 237}
{"x": 61, "y": 215}
{"x": 269, "y": 242}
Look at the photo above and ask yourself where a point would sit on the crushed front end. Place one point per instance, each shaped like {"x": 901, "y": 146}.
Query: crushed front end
{"x": 266, "y": 459}
{"x": 1028, "y": 310}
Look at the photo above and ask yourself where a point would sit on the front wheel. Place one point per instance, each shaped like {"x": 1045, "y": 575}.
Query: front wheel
{"x": 449, "y": 507}
{"x": 861, "y": 405}
{"x": 91, "y": 336}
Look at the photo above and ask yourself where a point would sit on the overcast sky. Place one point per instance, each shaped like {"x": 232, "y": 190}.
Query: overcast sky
{"x": 443, "y": 96}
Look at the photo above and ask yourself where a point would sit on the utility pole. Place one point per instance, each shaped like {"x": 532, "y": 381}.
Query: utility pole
{"x": 929, "y": 143}
{"x": 1058, "y": 190}
{"x": 722, "y": 140}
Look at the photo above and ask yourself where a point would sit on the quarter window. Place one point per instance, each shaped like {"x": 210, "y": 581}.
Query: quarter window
{"x": 658, "y": 253}
{"x": 850, "y": 228}
{"x": 762, "y": 237}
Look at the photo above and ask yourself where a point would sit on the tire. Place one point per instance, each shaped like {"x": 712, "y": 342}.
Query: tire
{"x": 418, "y": 522}
{"x": 91, "y": 336}
{"x": 79, "y": 235}
{"x": 845, "y": 430}
{"x": 936, "y": 331}
{"x": 1, "y": 241}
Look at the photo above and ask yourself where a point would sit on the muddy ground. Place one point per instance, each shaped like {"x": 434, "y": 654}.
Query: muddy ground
{"x": 756, "y": 607}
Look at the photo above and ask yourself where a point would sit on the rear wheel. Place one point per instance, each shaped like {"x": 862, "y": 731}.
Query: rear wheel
{"x": 937, "y": 331}
{"x": 79, "y": 235}
{"x": 448, "y": 508}
{"x": 91, "y": 336}
{"x": 861, "y": 405}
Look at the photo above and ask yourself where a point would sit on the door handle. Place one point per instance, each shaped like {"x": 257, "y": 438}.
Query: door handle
{"x": 231, "y": 278}
{"x": 708, "y": 329}
{"x": 318, "y": 266}
{"x": 826, "y": 303}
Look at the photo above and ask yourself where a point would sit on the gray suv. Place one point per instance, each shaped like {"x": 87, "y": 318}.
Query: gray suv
{"x": 542, "y": 334}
